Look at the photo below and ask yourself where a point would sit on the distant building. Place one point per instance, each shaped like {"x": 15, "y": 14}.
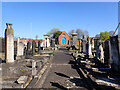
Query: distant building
{"x": 63, "y": 39}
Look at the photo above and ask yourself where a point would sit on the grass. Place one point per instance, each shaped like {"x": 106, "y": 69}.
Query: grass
{"x": 22, "y": 70}
{"x": 52, "y": 53}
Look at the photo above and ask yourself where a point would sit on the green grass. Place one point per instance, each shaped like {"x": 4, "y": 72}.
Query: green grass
{"x": 22, "y": 70}
{"x": 52, "y": 53}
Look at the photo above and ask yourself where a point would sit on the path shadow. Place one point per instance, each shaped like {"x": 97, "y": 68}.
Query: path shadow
{"x": 62, "y": 75}
{"x": 58, "y": 85}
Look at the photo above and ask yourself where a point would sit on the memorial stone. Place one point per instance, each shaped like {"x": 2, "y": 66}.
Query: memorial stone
{"x": 9, "y": 44}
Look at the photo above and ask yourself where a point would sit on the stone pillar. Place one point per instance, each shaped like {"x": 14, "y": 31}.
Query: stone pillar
{"x": 33, "y": 47}
{"x": 74, "y": 39}
{"x": 47, "y": 43}
{"x": 9, "y": 44}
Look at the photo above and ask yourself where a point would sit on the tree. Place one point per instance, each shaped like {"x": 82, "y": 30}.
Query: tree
{"x": 56, "y": 34}
{"x": 70, "y": 32}
{"x": 111, "y": 32}
{"x": 86, "y": 34}
{"x": 104, "y": 35}
{"x": 79, "y": 33}
{"x": 53, "y": 31}
{"x": 97, "y": 36}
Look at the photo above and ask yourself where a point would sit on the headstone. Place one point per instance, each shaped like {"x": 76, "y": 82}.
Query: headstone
{"x": 107, "y": 52}
{"x": 47, "y": 42}
{"x": 97, "y": 48}
{"x": 92, "y": 44}
{"x": 33, "y": 47}
{"x": 52, "y": 42}
{"x": 28, "y": 48}
{"x": 115, "y": 64}
{"x": 101, "y": 53}
{"x": 80, "y": 45}
{"x": 74, "y": 40}
{"x": 39, "y": 46}
{"x": 22, "y": 79}
{"x": 20, "y": 49}
{"x": 9, "y": 44}
{"x": 84, "y": 45}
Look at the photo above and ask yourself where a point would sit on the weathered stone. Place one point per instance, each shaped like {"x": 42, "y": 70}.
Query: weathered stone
{"x": 33, "y": 63}
{"x": 39, "y": 46}
{"x": 47, "y": 42}
{"x": 101, "y": 53}
{"x": 22, "y": 79}
{"x": 115, "y": 64}
{"x": 20, "y": 49}
{"x": 9, "y": 44}
{"x": 33, "y": 47}
{"x": 34, "y": 71}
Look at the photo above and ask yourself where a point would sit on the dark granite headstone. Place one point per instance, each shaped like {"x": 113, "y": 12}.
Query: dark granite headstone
{"x": 33, "y": 47}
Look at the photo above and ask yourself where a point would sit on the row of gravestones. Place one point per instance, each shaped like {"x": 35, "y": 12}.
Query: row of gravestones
{"x": 20, "y": 51}
{"x": 107, "y": 52}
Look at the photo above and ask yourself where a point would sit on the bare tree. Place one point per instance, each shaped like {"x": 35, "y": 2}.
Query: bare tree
{"x": 86, "y": 33}
{"x": 70, "y": 32}
{"x": 111, "y": 32}
{"x": 79, "y": 33}
{"x": 36, "y": 37}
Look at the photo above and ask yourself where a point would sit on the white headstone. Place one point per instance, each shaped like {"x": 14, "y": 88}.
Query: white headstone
{"x": 9, "y": 44}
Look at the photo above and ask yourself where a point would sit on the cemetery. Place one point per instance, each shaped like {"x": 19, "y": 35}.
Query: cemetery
{"x": 89, "y": 63}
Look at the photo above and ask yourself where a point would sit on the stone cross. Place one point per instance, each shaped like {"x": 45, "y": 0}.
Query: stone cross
{"x": 9, "y": 43}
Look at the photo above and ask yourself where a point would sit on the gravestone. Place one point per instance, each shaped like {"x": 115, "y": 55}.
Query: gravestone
{"x": 9, "y": 43}
{"x": 28, "y": 48}
{"x": 114, "y": 41}
{"x": 107, "y": 52}
{"x": 20, "y": 49}
{"x": 97, "y": 48}
{"x": 39, "y": 46}
{"x": 33, "y": 47}
{"x": 80, "y": 42}
{"x": 74, "y": 38}
{"x": 101, "y": 57}
{"x": 84, "y": 45}
{"x": 47, "y": 43}
{"x": 52, "y": 42}
{"x": 92, "y": 44}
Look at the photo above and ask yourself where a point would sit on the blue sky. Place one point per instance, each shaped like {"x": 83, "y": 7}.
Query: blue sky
{"x": 95, "y": 17}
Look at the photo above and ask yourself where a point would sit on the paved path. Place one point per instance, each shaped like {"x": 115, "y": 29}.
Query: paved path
{"x": 62, "y": 75}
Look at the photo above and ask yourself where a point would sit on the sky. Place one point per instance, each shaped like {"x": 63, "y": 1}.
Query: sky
{"x": 37, "y": 18}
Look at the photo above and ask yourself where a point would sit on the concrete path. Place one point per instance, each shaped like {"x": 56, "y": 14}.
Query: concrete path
{"x": 62, "y": 74}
